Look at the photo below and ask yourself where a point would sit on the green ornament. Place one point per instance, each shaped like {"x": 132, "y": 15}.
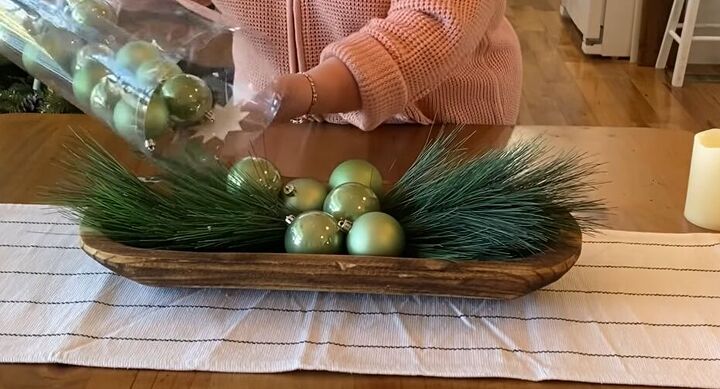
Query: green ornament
{"x": 255, "y": 169}
{"x": 94, "y": 52}
{"x": 314, "y": 232}
{"x": 135, "y": 54}
{"x": 155, "y": 72}
{"x": 85, "y": 80}
{"x": 349, "y": 201}
{"x": 188, "y": 97}
{"x": 130, "y": 120}
{"x": 93, "y": 13}
{"x": 304, "y": 194}
{"x": 104, "y": 97}
{"x": 376, "y": 234}
{"x": 360, "y": 171}
{"x": 52, "y": 55}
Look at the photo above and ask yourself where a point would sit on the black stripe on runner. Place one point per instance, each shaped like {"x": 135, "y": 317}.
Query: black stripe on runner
{"x": 650, "y": 244}
{"x": 361, "y": 313}
{"x": 42, "y": 273}
{"x": 37, "y": 223}
{"x": 679, "y": 269}
{"x": 37, "y": 246}
{"x": 599, "y": 266}
{"x": 360, "y": 346}
{"x": 607, "y": 292}
{"x": 585, "y": 242}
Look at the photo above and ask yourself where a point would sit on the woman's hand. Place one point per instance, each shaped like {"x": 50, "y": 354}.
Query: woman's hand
{"x": 336, "y": 89}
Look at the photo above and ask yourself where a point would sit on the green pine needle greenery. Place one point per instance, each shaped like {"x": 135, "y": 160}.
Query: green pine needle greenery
{"x": 189, "y": 208}
{"x": 502, "y": 204}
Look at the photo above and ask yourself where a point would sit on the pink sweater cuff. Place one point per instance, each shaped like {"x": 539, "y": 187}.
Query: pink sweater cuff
{"x": 383, "y": 90}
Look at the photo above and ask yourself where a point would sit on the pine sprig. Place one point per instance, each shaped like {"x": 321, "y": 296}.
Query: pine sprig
{"x": 502, "y": 204}
{"x": 189, "y": 209}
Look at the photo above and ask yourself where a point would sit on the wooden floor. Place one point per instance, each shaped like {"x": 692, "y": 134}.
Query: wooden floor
{"x": 562, "y": 86}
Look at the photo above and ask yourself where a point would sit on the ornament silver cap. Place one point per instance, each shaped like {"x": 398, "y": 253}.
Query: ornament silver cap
{"x": 289, "y": 190}
{"x": 345, "y": 225}
{"x": 150, "y": 144}
{"x": 289, "y": 219}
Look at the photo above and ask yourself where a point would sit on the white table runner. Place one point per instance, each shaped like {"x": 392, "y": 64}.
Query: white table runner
{"x": 637, "y": 309}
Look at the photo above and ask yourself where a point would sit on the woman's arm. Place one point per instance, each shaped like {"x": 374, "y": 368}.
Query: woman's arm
{"x": 392, "y": 62}
{"x": 335, "y": 86}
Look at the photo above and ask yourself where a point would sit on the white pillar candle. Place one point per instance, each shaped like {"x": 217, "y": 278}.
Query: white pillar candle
{"x": 702, "y": 206}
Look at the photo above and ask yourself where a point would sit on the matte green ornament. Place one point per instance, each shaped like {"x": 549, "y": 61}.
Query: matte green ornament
{"x": 135, "y": 54}
{"x": 349, "y": 201}
{"x": 132, "y": 121}
{"x": 376, "y": 234}
{"x": 62, "y": 46}
{"x": 52, "y": 53}
{"x": 360, "y": 171}
{"x": 155, "y": 72}
{"x": 188, "y": 98}
{"x": 314, "y": 232}
{"x": 94, "y": 52}
{"x": 104, "y": 97}
{"x": 304, "y": 194}
{"x": 255, "y": 169}
{"x": 35, "y": 59}
{"x": 85, "y": 80}
{"x": 93, "y": 13}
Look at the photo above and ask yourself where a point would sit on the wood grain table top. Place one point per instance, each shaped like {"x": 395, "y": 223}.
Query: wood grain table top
{"x": 645, "y": 180}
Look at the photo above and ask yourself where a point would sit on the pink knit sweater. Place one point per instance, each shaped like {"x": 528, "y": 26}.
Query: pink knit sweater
{"x": 449, "y": 61}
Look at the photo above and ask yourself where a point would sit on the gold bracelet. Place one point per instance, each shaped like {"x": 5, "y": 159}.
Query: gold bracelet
{"x": 313, "y": 101}
{"x": 313, "y": 89}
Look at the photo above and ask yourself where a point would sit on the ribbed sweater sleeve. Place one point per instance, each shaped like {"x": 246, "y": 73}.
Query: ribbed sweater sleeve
{"x": 401, "y": 58}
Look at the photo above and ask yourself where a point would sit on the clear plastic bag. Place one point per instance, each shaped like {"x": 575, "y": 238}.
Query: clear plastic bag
{"x": 156, "y": 72}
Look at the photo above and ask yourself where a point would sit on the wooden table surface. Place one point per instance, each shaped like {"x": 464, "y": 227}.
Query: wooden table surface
{"x": 645, "y": 174}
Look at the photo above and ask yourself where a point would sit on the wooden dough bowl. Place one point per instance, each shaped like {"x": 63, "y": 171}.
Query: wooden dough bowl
{"x": 336, "y": 273}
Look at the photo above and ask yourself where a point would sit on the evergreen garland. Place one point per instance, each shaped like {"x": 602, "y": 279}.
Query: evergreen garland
{"x": 18, "y": 96}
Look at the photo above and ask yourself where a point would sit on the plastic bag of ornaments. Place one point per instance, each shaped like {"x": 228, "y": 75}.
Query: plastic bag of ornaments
{"x": 159, "y": 72}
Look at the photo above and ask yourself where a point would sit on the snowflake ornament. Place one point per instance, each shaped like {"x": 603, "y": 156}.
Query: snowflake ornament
{"x": 222, "y": 120}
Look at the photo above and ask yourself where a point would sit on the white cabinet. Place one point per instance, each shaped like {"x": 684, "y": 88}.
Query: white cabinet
{"x": 609, "y": 27}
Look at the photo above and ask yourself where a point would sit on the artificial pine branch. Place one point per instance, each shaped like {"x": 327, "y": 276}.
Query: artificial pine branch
{"x": 502, "y": 204}
{"x": 190, "y": 209}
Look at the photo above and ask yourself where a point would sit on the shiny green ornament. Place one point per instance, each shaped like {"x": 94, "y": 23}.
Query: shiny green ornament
{"x": 314, "y": 232}
{"x": 93, "y": 13}
{"x": 131, "y": 121}
{"x": 304, "y": 194}
{"x": 376, "y": 234}
{"x": 94, "y": 52}
{"x": 350, "y": 200}
{"x": 255, "y": 169}
{"x": 188, "y": 98}
{"x": 155, "y": 72}
{"x": 135, "y": 54}
{"x": 85, "y": 80}
{"x": 104, "y": 97}
{"x": 360, "y": 171}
